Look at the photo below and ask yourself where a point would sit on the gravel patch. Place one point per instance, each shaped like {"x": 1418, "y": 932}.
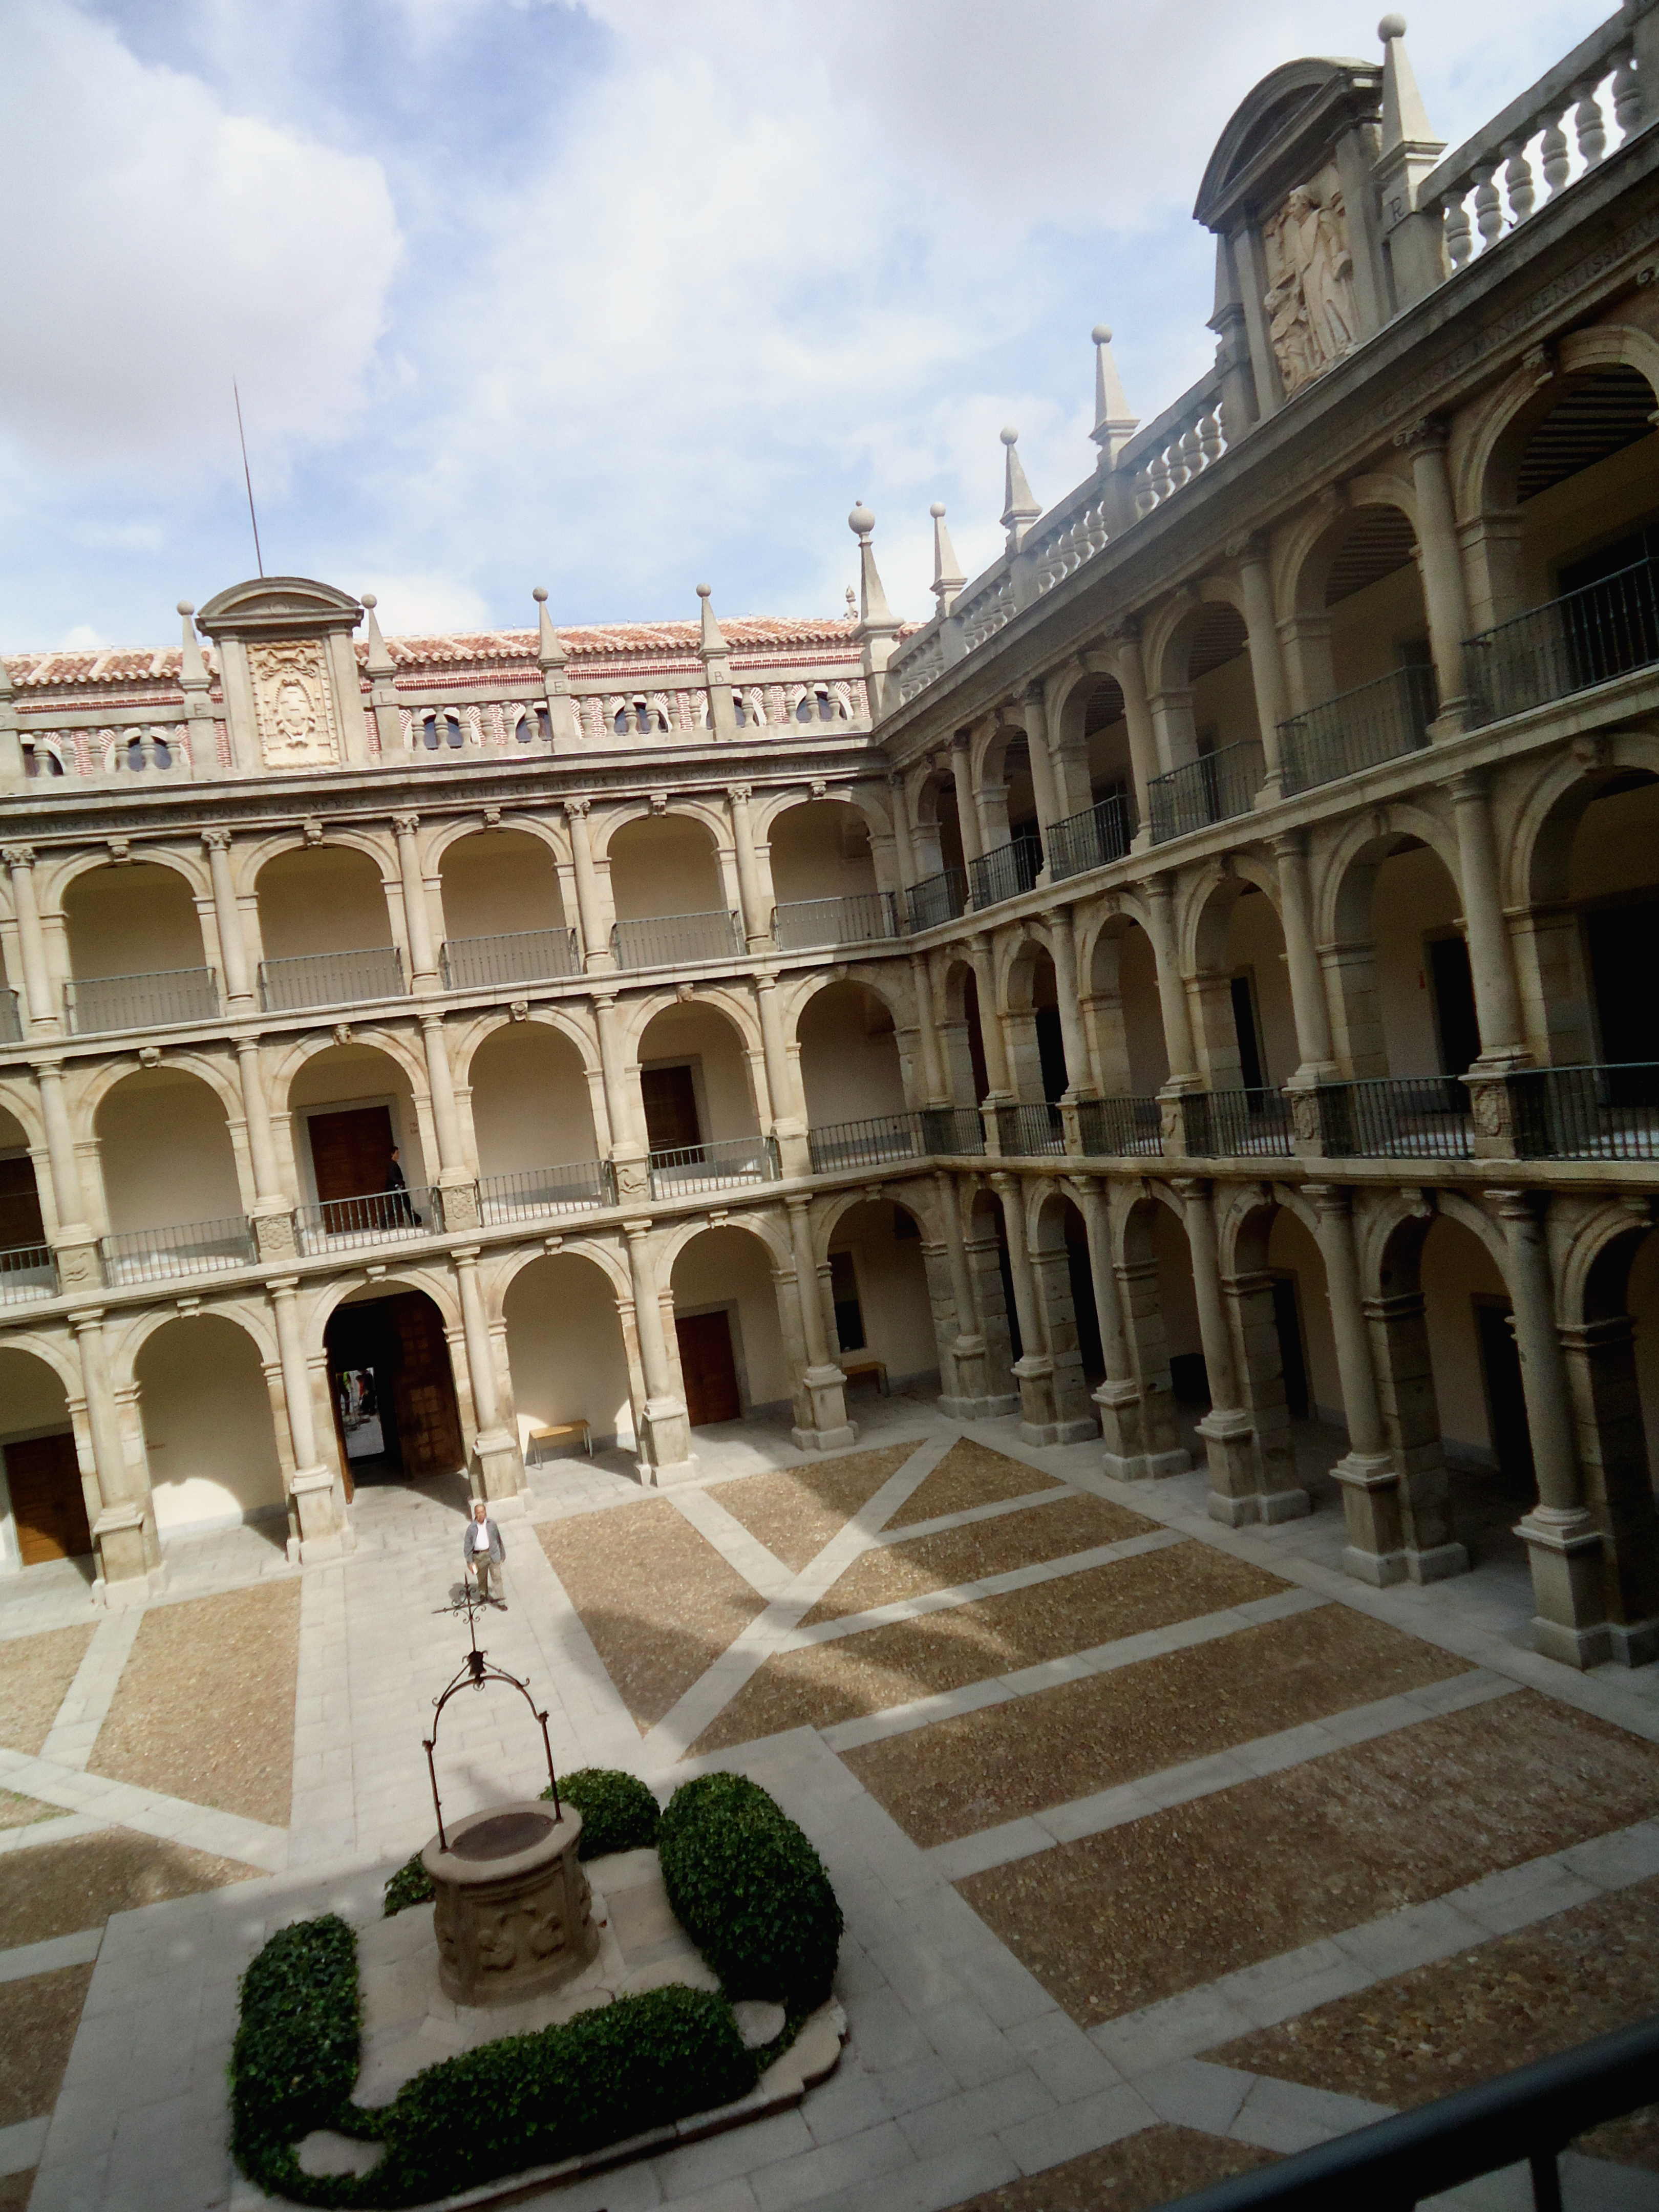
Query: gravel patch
{"x": 55, "y": 1888}
{"x": 14, "y": 2191}
{"x": 1143, "y": 2170}
{"x": 1447, "y": 2027}
{"x": 205, "y": 1710}
{"x": 17, "y": 1812}
{"x": 983, "y": 1548}
{"x": 1181, "y": 1898}
{"x": 657, "y": 1599}
{"x": 971, "y": 1474}
{"x": 795, "y": 1511}
{"x": 823, "y": 1683}
{"x": 1005, "y": 1760}
{"x": 35, "y": 1674}
{"x": 42, "y": 2014}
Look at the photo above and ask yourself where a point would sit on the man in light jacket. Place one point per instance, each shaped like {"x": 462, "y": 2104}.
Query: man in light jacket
{"x": 483, "y": 1550}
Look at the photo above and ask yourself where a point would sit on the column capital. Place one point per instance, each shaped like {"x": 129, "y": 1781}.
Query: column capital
{"x": 1518, "y": 1206}
{"x": 799, "y": 1204}
{"x": 1429, "y": 434}
{"x": 1253, "y": 546}
{"x": 86, "y": 1318}
{"x": 466, "y": 1255}
{"x": 897, "y": 778}
{"x": 960, "y": 740}
{"x": 739, "y": 793}
{"x": 1333, "y": 1200}
{"x": 405, "y": 825}
{"x": 1032, "y": 694}
{"x": 576, "y": 809}
{"x": 636, "y": 1231}
{"x": 1188, "y": 1188}
{"x": 1085, "y": 1186}
{"x": 283, "y": 1286}
{"x": 216, "y": 840}
{"x": 1290, "y": 844}
{"x": 1469, "y": 787}
{"x": 432, "y": 1021}
{"x": 38, "y": 1068}
{"x": 17, "y": 856}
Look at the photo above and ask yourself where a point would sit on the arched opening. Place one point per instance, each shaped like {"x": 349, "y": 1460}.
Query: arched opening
{"x": 1066, "y": 1293}
{"x": 169, "y": 1173}
{"x": 1405, "y": 996}
{"x": 325, "y": 930}
{"x": 697, "y": 1096}
{"x": 1613, "y": 1374}
{"x": 850, "y": 1069}
{"x": 823, "y": 877}
{"x": 1569, "y": 502}
{"x": 47, "y": 1506}
{"x": 1280, "y": 1323}
{"x": 565, "y": 1349}
{"x": 1359, "y": 650}
{"x": 532, "y": 1119}
{"x": 352, "y": 1115}
{"x": 1126, "y": 1017}
{"x": 1161, "y": 1311}
{"x": 727, "y": 1338}
{"x": 1037, "y": 1046}
{"x": 134, "y": 948}
{"x": 208, "y": 1432}
{"x": 503, "y": 918}
{"x": 878, "y": 1287}
{"x": 962, "y": 1042}
{"x": 25, "y": 1270}
{"x": 940, "y": 889}
{"x": 1205, "y": 704}
{"x": 1246, "y": 1028}
{"x": 1594, "y": 931}
{"x": 1476, "y": 1392}
{"x": 1098, "y": 829}
{"x": 392, "y": 1387}
{"x": 992, "y": 1276}
{"x": 670, "y": 904}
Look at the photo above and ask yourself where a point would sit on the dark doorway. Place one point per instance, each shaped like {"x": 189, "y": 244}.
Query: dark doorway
{"x": 1506, "y": 1404}
{"x": 1249, "y": 1043}
{"x": 1623, "y": 958}
{"x": 976, "y": 1042}
{"x": 350, "y": 1151}
{"x": 671, "y": 1108}
{"x": 19, "y": 1204}
{"x": 392, "y": 1382}
{"x": 47, "y": 1501}
{"x": 709, "y": 1367}
{"x": 1016, "y": 1342}
{"x": 844, "y": 1296}
{"x": 1051, "y": 1053}
{"x": 1287, "y": 1322}
{"x": 1083, "y": 1297}
{"x": 1456, "y": 1022}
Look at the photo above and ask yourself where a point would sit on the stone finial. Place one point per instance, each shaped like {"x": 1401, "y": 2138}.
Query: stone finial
{"x": 380, "y": 661}
{"x": 1405, "y": 118}
{"x": 874, "y": 613}
{"x": 851, "y": 606}
{"x": 1019, "y": 507}
{"x": 1114, "y": 424}
{"x": 712, "y": 639}
{"x": 549, "y": 653}
{"x": 193, "y": 672}
{"x": 948, "y": 579}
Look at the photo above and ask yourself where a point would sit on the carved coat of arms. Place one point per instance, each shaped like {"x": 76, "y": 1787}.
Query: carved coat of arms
{"x": 294, "y": 704}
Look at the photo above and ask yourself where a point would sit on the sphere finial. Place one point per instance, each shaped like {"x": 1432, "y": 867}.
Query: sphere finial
{"x": 370, "y": 601}
{"x": 861, "y": 521}
{"x": 1101, "y": 334}
{"x": 705, "y": 591}
{"x": 1391, "y": 27}
{"x": 1009, "y": 436}
{"x": 186, "y": 606}
{"x": 936, "y": 510}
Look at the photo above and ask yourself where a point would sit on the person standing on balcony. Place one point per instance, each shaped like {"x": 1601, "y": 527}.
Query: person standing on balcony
{"x": 399, "y": 1192}
{"x": 483, "y": 1550}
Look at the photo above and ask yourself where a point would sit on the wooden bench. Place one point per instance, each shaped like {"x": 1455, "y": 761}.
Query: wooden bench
{"x": 539, "y": 1437}
{"x": 864, "y": 1363}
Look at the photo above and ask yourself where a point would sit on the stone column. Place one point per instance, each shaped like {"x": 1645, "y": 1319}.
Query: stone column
{"x": 936, "y": 1091}
{"x": 319, "y": 1511}
{"x": 273, "y": 1211}
{"x": 76, "y": 1247}
{"x": 1561, "y": 1536}
{"x": 1441, "y": 558}
{"x": 1034, "y": 1371}
{"x": 787, "y": 1125}
{"x": 596, "y": 943}
{"x": 456, "y": 1181}
{"x": 41, "y": 1002}
{"x": 124, "y": 1533}
{"x": 228, "y": 917}
{"x": 664, "y": 1437}
{"x": 1172, "y": 996}
{"x": 1144, "y": 764}
{"x": 973, "y": 845}
{"x": 1376, "y": 1550}
{"x": 823, "y": 1385}
{"x": 1491, "y": 956}
{"x": 1079, "y": 1073}
{"x": 1035, "y": 708}
{"x": 757, "y": 921}
{"x": 1307, "y": 980}
{"x": 629, "y": 1155}
{"x": 1118, "y": 1399}
{"x": 1267, "y": 668}
{"x": 991, "y": 1037}
{"x": 971, "y": 1399}
{"x": 423, "y": 960}
{"x": 500, "y": 1475}
{"x": 1227, "y": 1431}
{"x": 904, "y": 844}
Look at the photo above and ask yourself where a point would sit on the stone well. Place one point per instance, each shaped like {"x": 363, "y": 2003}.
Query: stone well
{"x": 513, "y": 1912}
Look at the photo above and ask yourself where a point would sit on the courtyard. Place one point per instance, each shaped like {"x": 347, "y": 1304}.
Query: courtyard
{"x": 1164, "y": 1848}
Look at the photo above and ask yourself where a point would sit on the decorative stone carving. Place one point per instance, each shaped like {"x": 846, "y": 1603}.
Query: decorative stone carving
{"x": 512, "y": 1909}
{"x": 1313, "y": 316}
{"x": 294, "y": 705}
{"x": 1304, "y": 1116}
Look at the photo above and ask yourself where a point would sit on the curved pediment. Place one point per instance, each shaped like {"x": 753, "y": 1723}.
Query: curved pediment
{"x": 270, "y": 605}
{"x": 1281, "y": 131}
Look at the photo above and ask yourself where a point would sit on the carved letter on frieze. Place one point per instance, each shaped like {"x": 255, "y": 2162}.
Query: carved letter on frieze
{"x": 1312, "y": 317}
{"x": 294, "y": 705}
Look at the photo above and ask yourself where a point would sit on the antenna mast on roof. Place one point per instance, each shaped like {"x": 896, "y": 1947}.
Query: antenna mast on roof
{"x": 246, "y": 478}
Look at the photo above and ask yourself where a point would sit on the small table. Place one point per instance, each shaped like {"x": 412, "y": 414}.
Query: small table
{"x": 540, "y": 1437}
{"x": 864, "y": 1363}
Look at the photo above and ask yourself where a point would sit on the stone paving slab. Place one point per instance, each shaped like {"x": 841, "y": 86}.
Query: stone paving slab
{"x": 171, "y": 1819}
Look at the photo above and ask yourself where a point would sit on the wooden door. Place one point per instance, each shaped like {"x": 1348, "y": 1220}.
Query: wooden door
{"x": 47, "y": 1501}
{"x": 671, "y": 1108}
{"x": 423, "y": 1389}
{"x": 710, "y": 1368}
{"x": 350, "y": 1150}
{"x": 19, "y": 1204}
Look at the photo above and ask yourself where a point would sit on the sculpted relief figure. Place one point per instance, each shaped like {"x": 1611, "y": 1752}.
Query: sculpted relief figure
{"x": 1310, "y": 303}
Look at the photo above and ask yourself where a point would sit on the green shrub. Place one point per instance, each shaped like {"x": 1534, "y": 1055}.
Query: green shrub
{"x": 751, "y": 1893}
{"x": 296, "y": 2055}
{"x": 410, "y": 1885}
{"x": 619, "y": 1813}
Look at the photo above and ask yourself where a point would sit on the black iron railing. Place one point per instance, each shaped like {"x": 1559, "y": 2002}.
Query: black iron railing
{"x": 1409, "y": 1117}
{"x": 27, "y": 1270}
{"x": 688, "y": 1168}
{"x": 1585, "y": 637}
{"x": 11, "y": 1023}
{"x": 191, "y": 1248}
{"x": 677, "y": 941}
{"x": 917, "y": 1133}
{"x": 1234, "y": 1125}
{"x": 1586, "y": 1113}
{"x": 1090, "y": 839}
{"x": 1030, "y": 1130}
{"x": 378, "y": 1216}
{"x": 936, "y": 898}
{"x": 800, "y": 923}
{"x": 1214, "y": 788}
{"x": 533, "y": 1191}
{"x": 1111, "y": 1127}
{"x": 1374, "y": 722}
{"x": 1005, "y": 871}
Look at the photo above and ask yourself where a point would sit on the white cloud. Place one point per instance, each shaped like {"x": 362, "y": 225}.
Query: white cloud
{"x": 416, "y": 606}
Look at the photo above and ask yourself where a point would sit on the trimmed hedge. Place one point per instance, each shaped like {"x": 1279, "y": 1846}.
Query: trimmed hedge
{"x": 619, "y": 1813}
{"x": 410, "y": 1885}
{"x": 296, "y": 2050}
{"x": 747, "y": 1886}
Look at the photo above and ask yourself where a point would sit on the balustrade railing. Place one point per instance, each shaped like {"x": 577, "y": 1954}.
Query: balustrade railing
{"x": 865, "y": 1144}
{"x": 677, "y": 941}
{"x": 799, "y": 924}
{"x": 1358, "y": 729}
{"x": 1113, "y": 1128}
{"x": 1600, "y": 1112}
{"x": 521, "y": 955}
{"x": 1180, "y": 444}
{"x": 11, "y": 1019}
{"x": 687, "y": 1169}
{"x": 936, "y": 898}
{"x": 378, "y": 1217}
{"x": 1081, "y": 842}
{"x": 96, "y": 1005}
{"x": 1387, "y": 1117}
{"x": 27, "y": 1270}
{"x": 1589, "y": 637}
{"x": 531, "y": 1193}
{"x": 1214, "y": 788}
{"x": 332, "y": 979}
{"x": 1236, "y": 1125}
{"x": 1005, "y": 871}
{"x": 195, "y": 1247}
{"x": 1030, "y": 1130}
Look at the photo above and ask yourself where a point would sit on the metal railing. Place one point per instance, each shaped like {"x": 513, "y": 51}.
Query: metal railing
{"x": 11, "y": 1019}
{"x": 522, "y": 956}
{"x": 1090, "y": 839}
{"x": 1605, "y": 1113}
{"x": 1212, "y": 788}
{"x": 1114, "y": 1127}
{"x": 96, "y": 1004}
{"x": 1531, "y": 2115}
{"x": 194, "y": 1248}
{"x": 1374, "y": 722}
{"x": 936, "y": 898}
{"x": 689, "y": 1168}
{"x": 958, "y": 1130}
{"x": 1385, "y": 1117}
{"x": 677, "y": 941}
{"x": 1005, "y": 871}
{"x": 378, "y": 1216}
{"x": 332, "y": 979}
{"x": 1028, "y": 1130}
{"x": 799, "y": 924}
{"x": 1588, "y": 637}
{"x": 865, "y": 1144}
{"x": 1236, "y": 1125}
{"x": 27, "y": 1270}
{"x": 533, "y": 1192}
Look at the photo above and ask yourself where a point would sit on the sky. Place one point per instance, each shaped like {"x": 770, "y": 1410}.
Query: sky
{"x": 615, "y": 298}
